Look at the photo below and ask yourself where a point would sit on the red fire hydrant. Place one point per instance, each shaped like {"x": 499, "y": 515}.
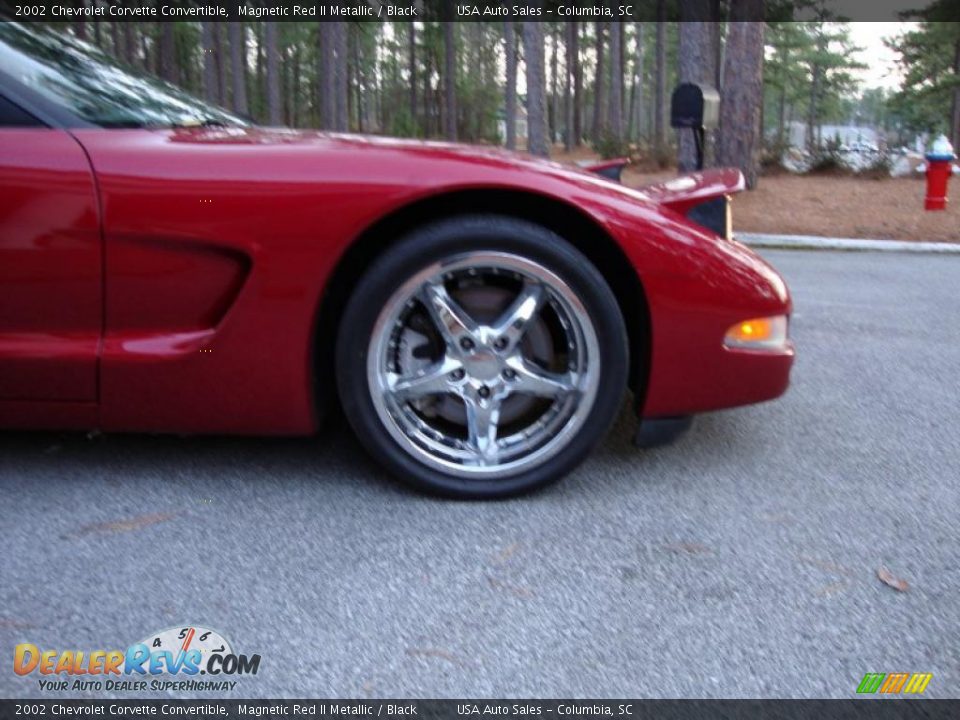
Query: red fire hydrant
{"x": 939, "y": 167}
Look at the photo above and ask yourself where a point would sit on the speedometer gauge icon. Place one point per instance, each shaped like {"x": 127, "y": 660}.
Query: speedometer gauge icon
{"x": 183, "y": 639}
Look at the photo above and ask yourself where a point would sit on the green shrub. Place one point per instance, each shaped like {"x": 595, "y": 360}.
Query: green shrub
{"x": 828, "y": 159}
{"x": 608, "y": 146}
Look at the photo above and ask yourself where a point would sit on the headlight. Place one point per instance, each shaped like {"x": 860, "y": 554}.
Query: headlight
{"x": 768, "y": 333}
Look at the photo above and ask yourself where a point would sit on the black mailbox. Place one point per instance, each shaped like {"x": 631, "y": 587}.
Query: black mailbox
{"x": 695, "y": 106}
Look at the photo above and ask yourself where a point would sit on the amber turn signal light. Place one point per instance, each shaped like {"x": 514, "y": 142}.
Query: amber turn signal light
{"x": 768, "y": 333}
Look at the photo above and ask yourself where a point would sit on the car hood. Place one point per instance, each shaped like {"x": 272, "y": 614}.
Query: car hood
{"x": 283, "y": 140}
{"x": 679, "y": 194}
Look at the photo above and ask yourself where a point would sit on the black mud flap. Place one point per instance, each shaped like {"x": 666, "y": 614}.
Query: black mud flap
{"x": 654, "y": 432}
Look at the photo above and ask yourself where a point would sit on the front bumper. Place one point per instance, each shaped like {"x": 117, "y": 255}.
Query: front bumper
{"x": 691, "y": 368}
{"x": 722, "y": 379}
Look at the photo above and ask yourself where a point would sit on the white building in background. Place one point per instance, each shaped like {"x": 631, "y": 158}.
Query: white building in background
{"x": 848, "y": 135}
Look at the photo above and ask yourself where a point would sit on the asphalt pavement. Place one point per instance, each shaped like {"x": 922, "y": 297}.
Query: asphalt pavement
{"x": 741, "y": 561}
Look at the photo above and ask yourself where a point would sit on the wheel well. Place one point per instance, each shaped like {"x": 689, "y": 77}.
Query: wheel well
{"x": 565, "y": 220}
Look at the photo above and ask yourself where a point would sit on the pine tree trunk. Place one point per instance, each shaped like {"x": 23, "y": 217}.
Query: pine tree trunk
{"x": 716, "y": 37}
{"x": 577, "y": 72}
{"x": 598, "y": 103}
{"x": 223, "y": 66}
{"x": 328, "y": 93}
{"x": 149, "y": 63}
{"x": 510, "y": 43}
{"x": 295, "y": 88}
{"x": 115, "y": 40}
{"x": 286, "y": 81}
{"x": 536, "y": 89}
{"x": 189, "y": 72}
{"x": 697, "y": 59}
{"x": 660, "y": 102}
{"x": 167, "y": 57}
{"x": 412, "y": 30}
{"x": 351, "y": 79}
{"x": 273, "y": 73}
{"x": 615, "y": 110}
{"x": 258, "y": 96}
{"x": 340, "y": 73}
{"x": 568, "y": 124}
{"x": 782, "y": 118}
{"x": 637, "y": 98}
{"x": 209, "y": 62}
{"x": 238, "y": 62}
{"x": 554, "y": 87}
{"x": 359, "y": 90}
{"x": 450, "y": 80}
{"x": 428, "y": 104}
{"x": 812, "y": 110}
{"x": 473, "y": 116}
{"x": 623, "y": 58}
{"x": 129, "y": 43}
{"x": 782, "y": 101}
{"x": 742, "y": 97}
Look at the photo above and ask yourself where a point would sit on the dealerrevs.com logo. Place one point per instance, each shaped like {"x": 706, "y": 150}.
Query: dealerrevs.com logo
{"x": 172, "y": 659}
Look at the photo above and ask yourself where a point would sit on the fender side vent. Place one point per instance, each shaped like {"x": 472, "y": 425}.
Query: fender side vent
{"x": 714, "y": 215}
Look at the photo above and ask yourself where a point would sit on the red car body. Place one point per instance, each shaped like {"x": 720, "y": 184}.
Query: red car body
{"x": 189, "y": 280}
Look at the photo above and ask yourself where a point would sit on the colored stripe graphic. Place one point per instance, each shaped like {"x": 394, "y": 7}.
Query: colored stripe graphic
{"x": 918, "y": 682}
{"x": 894, "y": 682}
{"x": 870, "y": 682}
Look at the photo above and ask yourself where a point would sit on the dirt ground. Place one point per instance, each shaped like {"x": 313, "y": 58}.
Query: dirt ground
{"x": 833, "y": 206}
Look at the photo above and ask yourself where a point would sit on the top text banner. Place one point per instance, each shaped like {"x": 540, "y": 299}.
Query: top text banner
{"x": 453, "y": 11}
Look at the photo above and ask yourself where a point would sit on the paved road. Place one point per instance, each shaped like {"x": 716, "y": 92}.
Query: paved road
{"x": 741, "y": 561}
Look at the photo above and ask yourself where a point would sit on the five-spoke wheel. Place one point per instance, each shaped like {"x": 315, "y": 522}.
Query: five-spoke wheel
{"x": 482, "y": 363}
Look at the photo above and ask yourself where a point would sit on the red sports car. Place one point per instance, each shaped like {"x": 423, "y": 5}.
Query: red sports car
{"x": 168, "y": 267}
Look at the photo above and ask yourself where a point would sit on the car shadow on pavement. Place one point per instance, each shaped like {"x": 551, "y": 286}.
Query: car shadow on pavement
{"x": 331, "y": 457}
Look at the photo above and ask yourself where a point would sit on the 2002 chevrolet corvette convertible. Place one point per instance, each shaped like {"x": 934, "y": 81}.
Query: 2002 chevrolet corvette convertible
{"x": 167, "y": 267}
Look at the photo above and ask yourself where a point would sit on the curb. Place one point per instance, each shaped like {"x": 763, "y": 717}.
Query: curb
{"x": 811, "y": 242}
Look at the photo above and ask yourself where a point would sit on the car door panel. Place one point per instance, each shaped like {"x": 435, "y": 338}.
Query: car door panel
{"x": 51, "y": 304}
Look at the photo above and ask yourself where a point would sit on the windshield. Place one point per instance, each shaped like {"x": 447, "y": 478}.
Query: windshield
{"x": 96, "y": 87}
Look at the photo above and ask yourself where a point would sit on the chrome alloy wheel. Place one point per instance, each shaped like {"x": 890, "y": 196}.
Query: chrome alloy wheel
{"x": 484, "y": 365}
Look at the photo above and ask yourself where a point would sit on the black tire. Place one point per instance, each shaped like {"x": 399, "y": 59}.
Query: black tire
{"x": 450, "y": 237}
